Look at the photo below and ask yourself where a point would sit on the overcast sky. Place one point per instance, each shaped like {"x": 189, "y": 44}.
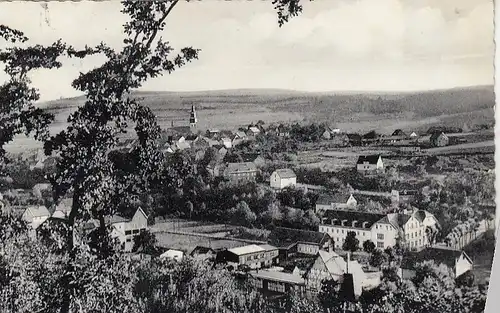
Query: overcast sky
{"x": 335, "y": 45}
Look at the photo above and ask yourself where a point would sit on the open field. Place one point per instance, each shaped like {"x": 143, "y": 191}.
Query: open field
{"x": 466, "y": 147}
{"x": 352, "y": 112}
{"x": 187, "y": 242}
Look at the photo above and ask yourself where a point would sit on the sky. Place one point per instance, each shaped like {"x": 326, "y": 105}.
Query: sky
{"x": 335, "y": 45}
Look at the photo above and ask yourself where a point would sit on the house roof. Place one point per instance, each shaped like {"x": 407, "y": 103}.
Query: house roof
{"x": 285, "y": 173}
{"x": 350, "y": 216}
{"x": 278, "y": 276}
{"x": 240, "y": 134}
{"x": 180, "y": 129}
{"x": 241, "y": 167}
{"x": 334, "y": 262}
{"x": 372, "y": 159}
{"x": 64, "y": 205}
{"x": 327, "y": 199}
{"x": 440, "y": 255}
{"x": 201, "y": 250}
{"x": 38, "y": 211}
{"x": 246, "y": 249}
{"x": 268, "y": 247}
{"x": 398, "y": 132}
{"x": 254, "y": 129}
{"x": 436, "y": 135}
{"x": 117, "y": 219}
{"x": 285, "y": 237}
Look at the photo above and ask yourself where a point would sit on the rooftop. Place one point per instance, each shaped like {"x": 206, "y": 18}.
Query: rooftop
{"x": 278, "y": 276}
{"x": 327, "y": 199}
{"x": 350, "y": 216}
{"x": 372, "y": 159}
{"x": 286, "y": 173}
{"x": 246, "y": 249}
{"x": 284, "y": 237}
{"x": 440, "y": 255}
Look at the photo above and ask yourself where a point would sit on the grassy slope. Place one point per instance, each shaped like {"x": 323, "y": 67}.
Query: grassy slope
{"x": 350, "y": 111}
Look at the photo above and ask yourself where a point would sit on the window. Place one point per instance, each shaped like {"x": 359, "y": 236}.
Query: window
{"x": 257, "y": 283}
{"x": 275, "y": 286}
{"x": 255, "y": 257}
{"x": 380, "y": 236}
{"x": 128, "y": 232}
{"x": 380, "y": 244}
{"x": 249, "y": 258}
{"x": 342, "y": 231}
{"x": 337, "y": 231}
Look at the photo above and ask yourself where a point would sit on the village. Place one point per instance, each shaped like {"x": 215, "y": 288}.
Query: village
{"x": 342, "y": 229}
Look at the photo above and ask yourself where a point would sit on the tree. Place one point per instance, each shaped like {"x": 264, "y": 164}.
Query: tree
{"x": 329, "y": 295}
{"x": 378, "y": 258}
{"x": 242, "y": 215}
{"x": 145, "y": 242}
{"x": 351, "y": 243}
{"x": 368, "y": 246}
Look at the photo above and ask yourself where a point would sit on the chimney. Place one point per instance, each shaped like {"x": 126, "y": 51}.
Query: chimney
{"x": 348, "y": 260}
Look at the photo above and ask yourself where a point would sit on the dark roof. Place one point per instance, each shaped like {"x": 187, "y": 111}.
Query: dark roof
{"x": 354, "y": 136}
{"x": 436, "y": 135}
{"x": 285, "y": 237}
{"x": 247, "y": 157}
{"x": 350, "y": 216}
{"x": 440, "y": 255}
{"x": 398, "y": 132}
{"x": 372, "y": 159}
{"x": 201, "y": 250}
{"x": 327, "y": 199}
{"x": 347, "y": 288}
{"x": 370, "y": 135}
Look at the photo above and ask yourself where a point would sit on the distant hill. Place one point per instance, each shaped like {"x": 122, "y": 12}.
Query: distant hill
{"x": 229, "y": 108}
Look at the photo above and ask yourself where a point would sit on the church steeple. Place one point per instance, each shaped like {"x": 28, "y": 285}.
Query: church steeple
{"x": 193, "y": 119}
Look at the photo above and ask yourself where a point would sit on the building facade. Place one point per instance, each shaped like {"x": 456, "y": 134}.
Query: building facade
{"x": 126, "y": 229}
{"x": 238, "y": 172}
{"x": 370, "y": 163}
{"x": 291, "y": 241}
{"x": 283, "y": 178}
{"x": 414, "y": 230}
{"x": 335, "y": 202}
{"x": 253, "y": 256}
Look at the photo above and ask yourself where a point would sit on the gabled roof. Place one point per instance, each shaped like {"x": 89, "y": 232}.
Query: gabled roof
{"x": 436, "y": 135}
{"x": 278, "y": 276}
{"x": 334, "y": 262}
{"x": 285, "y": 173}
{"x": 371, "y": 159}
{"x": 440, "y": 255}
{"x": 398, "y": 132}
{"x": 202, "y": 250}
{"x": 38, "y": 211}
{"x": 327, "y": 199}
{"x": 241, "y": 167}
{"x": 286, "y": 237}
{"x": 64, "y": 205}
{"x": 240, "y": 134}
{"x": 350, "y": 216}
{"x": 254, "y": 129}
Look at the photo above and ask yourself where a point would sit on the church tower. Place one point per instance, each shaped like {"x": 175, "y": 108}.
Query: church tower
{"x": 192, "y": 119}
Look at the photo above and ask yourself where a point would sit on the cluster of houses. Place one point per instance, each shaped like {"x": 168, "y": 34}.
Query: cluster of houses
{"x": 262, "y": 262}
{"x": 124, "y": 229}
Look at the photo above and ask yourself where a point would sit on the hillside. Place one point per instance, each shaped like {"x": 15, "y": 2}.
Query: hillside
{"x": 350, "y": 111}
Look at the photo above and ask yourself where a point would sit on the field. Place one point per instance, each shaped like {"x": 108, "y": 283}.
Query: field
{"x": 383, "y": 112}
{"x": 186, "y": 235}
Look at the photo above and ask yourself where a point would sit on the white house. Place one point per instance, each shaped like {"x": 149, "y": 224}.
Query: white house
{"x": 283, "y": 178}
{"x": 63, "y": 208}
{"x": 35, "y": 215}
{"x": 458, "y": 261}
{"x": 172, "y": 254}
{"x": 370, "y": 163}
{"x": 126, "y": 229}
{"x": 334, "y": 202}
{"x": 226, "y": 142}
{"x": 413, "y": 229}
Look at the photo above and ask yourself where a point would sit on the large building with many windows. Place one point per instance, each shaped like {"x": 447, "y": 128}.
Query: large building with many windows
{"x": 414, "y": 229}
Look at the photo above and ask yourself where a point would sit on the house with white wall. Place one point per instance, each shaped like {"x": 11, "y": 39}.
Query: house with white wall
{"x": 339, "y": 201}
{"x": 283, "y": 178}
{"x": 458, "y": 261}
{"x": 35, "y": 215}
{"x": 370, "y": 163}
{"x": 126, "y": 229}
{"x": 413, "y": 229}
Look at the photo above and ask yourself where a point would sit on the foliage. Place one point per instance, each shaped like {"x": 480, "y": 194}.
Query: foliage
{"x": 351, "y": 243}
{"x": 145, "y": 242}
{"x": 368, "y": 246}
{"x": 242, "y": 215}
